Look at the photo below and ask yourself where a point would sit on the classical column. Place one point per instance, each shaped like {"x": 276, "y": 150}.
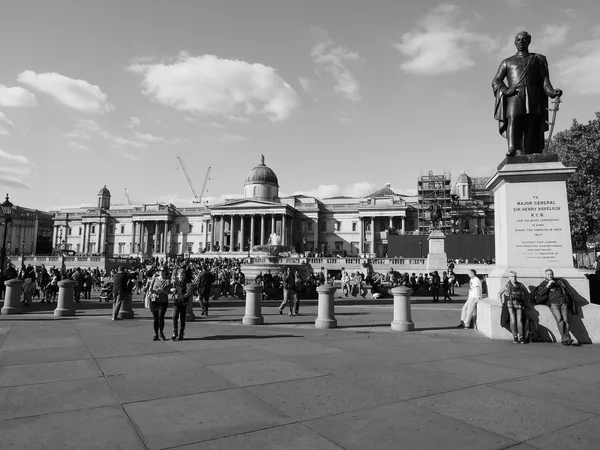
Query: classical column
{"x": 283, "y": 231}
{"x": 273, "y": 225}
{"x": 83, "y": 238}
{"x": 165, "y": 231}
{"x": 99, "y": 247}
{"x": 403, "y": 224}
{"x": 373, "y": 235}
{"x": 251, "y": 231}
{"x": 222, "y": 233}
{"x": 361, "y": 237}
{"x": 262, "y": 229}
{"x": 142, "y": 236}
{"x": 242, "y": 241}
{"x": 391, "y": 222}
{"x": 212, "y": 234}
{"x": 316, "y": 234}
{"x": 232, "y": 234}
{"x": 133, "y": 237}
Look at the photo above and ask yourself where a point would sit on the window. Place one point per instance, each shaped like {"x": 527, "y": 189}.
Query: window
{"x": 121, "y": 247}
{"x": 78, "y": 248}
{"x": 79, "y": 231}
{"x": 190, "y": 247}
{"x": 111, "y": 229}
{"x": 354, "y": 226}
{"x": 202, "y": 227}
{"x": 177, "y": 228}
{"x": 339, "y": 246}
{"x": 382, "y": 227}
{"x": 93, "y": 229}
{"x": 255, "y": 192}
{"x": 309, "y": 225}
{"x": 209, "y": 225}
{"x": 337, "y": 225}
{"x": 354, "y": 248}
{"x": 122, "y": 229}
{"x": 191, "y": 227}
{"x": 323, "y": 226}
{"x": 69, "y": 230}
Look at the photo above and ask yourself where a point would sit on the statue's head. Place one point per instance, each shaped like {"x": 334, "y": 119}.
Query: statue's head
{"x": 522, "y": 41}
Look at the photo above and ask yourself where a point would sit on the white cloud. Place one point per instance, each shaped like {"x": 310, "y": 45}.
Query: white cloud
{"x": 307, "y": 84}
{"x": 580, "y": 69}
{"x": 6, "y": 125}
{"x": 133, "y": 122}
{"x": 76, "y": 94}
{"x": 130, "y": 157}
{"x": 332, "y": 59}
{"x": 151, "y": 139}
{"x": 78, "y": 146}
{"x": 226, "y": 137}
{"x": 78, "y": 134}
{"x": 550, "y": 36}
{"x": 442, "y": 43}
{"x": 217, "y": 86}
{"x": 15, "y": 170}
{"x": 333, "y": 190}
{"x": 16, "y": 96}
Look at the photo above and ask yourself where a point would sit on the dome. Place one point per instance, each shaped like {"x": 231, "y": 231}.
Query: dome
{"x": 463, "y": 178}
{"x": 262, "y": 174}
{"x": 104, "y": 192}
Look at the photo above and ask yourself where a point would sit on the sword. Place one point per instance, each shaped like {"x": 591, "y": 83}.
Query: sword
{"x": 556, "y": 102}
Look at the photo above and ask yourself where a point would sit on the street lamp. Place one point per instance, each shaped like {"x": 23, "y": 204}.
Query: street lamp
{"x": 7, "y": 211}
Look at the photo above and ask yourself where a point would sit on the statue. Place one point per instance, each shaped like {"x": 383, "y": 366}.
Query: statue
{"x": 435, "y": 212}
{"x": 274, "y": 239}
{"x": 521, "y": 107}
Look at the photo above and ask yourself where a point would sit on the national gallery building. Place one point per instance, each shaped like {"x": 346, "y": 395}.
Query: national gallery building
{"x": 344, "y": 226}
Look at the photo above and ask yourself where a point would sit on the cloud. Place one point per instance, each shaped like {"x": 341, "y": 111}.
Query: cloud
{"x": 6, "y": 125}
{"x": 16, "y": 96}
{"x": 307, "y": 84}
{"x": 15, "y": 170}
{"x": 550, "y": 36}
{"x": 130, "y": 157}
{"x": 217, "y": 86}
{"x": 226, "y": 137}
{"x": 358, "y": 189}
{"x": 151, "y": 139}
{"x": 78, "y": 134}
{"x": 76, "y": 94}
{"x": 133, "y": 122}
{"x": 78, "y": 146}
{"x": 332, "y": 60}
{"x": 580, "y": 69}
{"x": 442, "y": 43}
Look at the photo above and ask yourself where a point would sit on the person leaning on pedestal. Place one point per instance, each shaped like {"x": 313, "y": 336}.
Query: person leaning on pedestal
{"x": 556, "y": 295}
{"x": 475, "y": 293}
{"x": 514, "y": 294}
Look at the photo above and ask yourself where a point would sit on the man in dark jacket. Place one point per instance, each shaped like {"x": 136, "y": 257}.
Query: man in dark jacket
{"x": 560, "y": 301}
{"x": 205, "y": 282}
{"x": 119, "y": 291}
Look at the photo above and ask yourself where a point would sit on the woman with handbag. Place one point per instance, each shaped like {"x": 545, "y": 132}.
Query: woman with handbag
{"x": 514, "y": 294}
{"x": 159, "y": 291}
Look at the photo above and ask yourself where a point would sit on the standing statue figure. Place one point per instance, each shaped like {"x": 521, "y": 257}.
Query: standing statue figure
{"x": 521, "y": 107}
{"x": 435, "y": 212}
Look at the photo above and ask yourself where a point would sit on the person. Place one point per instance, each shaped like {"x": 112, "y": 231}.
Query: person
{"x": 515, "y": 294}
{"x": 159, "y": 303}
{"x": 239, "y": 280}
{"x": 28, "y": 285}
{"x": 205, "y": 282}
{"x": 451, "y": 280}
{"x": 358, "y": 285}
{"x": 446, "y": 286}
{"x": 288, "y": 291}
{"x": 298, "y": 284}
{"x": 346, "y": 289}
{"x": 521, "y": 104}
{"x": 181, "y": 293}
{"x": 469, "y": 308}
{"x": 560, "y": 301}
{"x": 44, "y": 281}
{"x": 224, "y": 282}
{"x": 119, "y": 291}
{"x": 435, "y": 286}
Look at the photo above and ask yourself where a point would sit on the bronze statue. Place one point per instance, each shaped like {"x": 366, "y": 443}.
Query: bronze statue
{"x": 435, "y": 213}
{"x": 522, "y": 103}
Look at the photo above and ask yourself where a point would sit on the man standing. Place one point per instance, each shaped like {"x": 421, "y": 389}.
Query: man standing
{"x": 205, "y": 282}
{"x": 119, "y": 291}
{"x": 560, "y": 301}
{"x": 521, "y": 103}
{"x": 289, "y": 282}
{"x": 468, "y": 308}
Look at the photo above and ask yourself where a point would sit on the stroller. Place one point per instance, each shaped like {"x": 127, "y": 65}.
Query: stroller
{"x": 106, "y": 292}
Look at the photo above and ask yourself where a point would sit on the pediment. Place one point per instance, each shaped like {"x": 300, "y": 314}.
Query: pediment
{"x": 248, "y": 204}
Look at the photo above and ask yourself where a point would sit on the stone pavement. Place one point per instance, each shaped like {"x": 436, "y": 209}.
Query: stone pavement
{"x": 88, "y": 382}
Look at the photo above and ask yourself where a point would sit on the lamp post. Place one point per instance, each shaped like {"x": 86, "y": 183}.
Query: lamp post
{"x": 7, "y": 211}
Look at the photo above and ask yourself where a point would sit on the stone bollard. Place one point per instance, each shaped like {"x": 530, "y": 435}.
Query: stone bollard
{"x": 12, "y": 297}
{"x": 126, "y": 311}
{"x": 326, "y": 314}
{"x": 253, "y": 305}
{"x": 189, "y": 312}
{"x": 66, "y": 301}
{"x": 402, "y": 318}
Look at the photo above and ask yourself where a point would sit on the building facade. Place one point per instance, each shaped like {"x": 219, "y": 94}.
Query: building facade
{"x": 28, "y": 231}
{"x": 338, "y": 226}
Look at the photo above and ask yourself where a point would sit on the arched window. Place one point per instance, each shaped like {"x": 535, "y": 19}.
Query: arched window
{"x": 255, "y": 194}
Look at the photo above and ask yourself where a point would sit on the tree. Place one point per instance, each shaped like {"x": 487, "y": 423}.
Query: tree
{"x": 579, "y": 147}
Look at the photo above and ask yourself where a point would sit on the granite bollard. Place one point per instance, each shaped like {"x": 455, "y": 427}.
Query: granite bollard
{"x": 189, "y": 312}
{"x": 326, "y": 312}
{"x": 253, "y": 314}
{"x": 402, "y": 317}
{"x": 127, "y": 307}
{"x": 66, "y": 301}
{"x": 12, "y": 297}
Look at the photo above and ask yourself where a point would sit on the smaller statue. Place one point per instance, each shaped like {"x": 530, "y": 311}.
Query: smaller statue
{"x": 435, "y": 212}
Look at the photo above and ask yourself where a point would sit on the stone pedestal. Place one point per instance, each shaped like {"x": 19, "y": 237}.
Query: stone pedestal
{"x": 12, "y": 297}
{"x": 253, "y": 314}
{"x": 326, "y": 312}
{"x": 126, "y": 311}
{"x": 436, "y": 258}
{"x": 532, "y": 234}
{"x": 402, "y": 315}
{"x": 189, "y": 313}
{"x": 66, "y": 301}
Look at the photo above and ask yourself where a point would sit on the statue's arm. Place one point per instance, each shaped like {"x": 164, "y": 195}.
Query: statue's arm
{"x": 548, "y": 88}
{"x": 498, "y": 82}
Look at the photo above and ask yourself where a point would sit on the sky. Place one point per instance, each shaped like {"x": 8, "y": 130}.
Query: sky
{"x": 340, "y": 96}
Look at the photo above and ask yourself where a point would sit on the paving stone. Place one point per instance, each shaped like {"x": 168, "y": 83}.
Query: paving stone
{"x": 588, "y": 373}
{"x": 291, "y": 348}
{"x": 100, "y": 349}
{"x": 103, "y": 428}
{"x": 8, "y": 358}
{"x": 400, "y": 425}
{"x": 236, "y": 354}
{"x": 583, "y": 435}
{"x": 48, "y": 372}
{"x": 15, "y": 342}
{"x": 46, "y": 398}
{"x": 514, "y": 416}
{"x": 523, "y": 361}
{"x": 317, "y": 397}
{"x": 261, "y": 372}
{"x": 194, "y": 418}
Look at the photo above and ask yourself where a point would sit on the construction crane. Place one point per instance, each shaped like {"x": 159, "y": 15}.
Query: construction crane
{"x": 197, "y": 198}
{"x": 127, "y": 195}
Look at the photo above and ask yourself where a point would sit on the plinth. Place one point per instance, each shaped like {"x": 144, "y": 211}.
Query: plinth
{"x": 436, "y": 258}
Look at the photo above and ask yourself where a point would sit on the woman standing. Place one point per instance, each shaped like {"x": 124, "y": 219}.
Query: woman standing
{"x": 514, "y": 294}
{"x": 298, "y": 283}
{"x": 159, "y": 290}
{"x": 446, "y": 287}
{"x": 182, "y": 293}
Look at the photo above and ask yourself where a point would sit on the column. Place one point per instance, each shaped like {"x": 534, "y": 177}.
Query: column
{"x": 83, "y": 236}
{"x": 391, "y": 222}
{"x": 99, "y": 247}
{"x": 403, "y": 224}
{"x": 316, "y": 235}
{"x": 262, "y": 229}
{"x": 242, "y": 240}
{"x": 133, "y": 237}
{"x": 142, "y": 236}
{"x": 373, "y": 236}
{"x": 168, "y": 237}
{"x": 232, "y": 234}
{"x": 222, "y": 233}
{"x": 361, "y": 237}
{"x": 165, "y": 232}
{"x": 251, "y": 231}
{"x": 205, "y": 233}
{"x": 212, "y": 234}
{"x": 273, "y": 226}
{"x": 155, "y": 243}
{"x": 283, "y": 230}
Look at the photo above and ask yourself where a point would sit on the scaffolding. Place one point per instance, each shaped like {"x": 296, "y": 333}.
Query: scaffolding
{"x": 432, "y": 188}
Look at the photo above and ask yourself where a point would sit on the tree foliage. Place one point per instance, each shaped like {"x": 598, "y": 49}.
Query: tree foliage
{"x": 579, "y": 147}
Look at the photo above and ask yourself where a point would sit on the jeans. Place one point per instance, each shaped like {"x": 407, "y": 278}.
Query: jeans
{"x": 159, "y": 318}
{"x": 119, "y": 296}
{"x": 179, "y": 312}
{"x": 560, "y": 313}
{"x": 468, "y": 310}
{"x": 288, "y": 297}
